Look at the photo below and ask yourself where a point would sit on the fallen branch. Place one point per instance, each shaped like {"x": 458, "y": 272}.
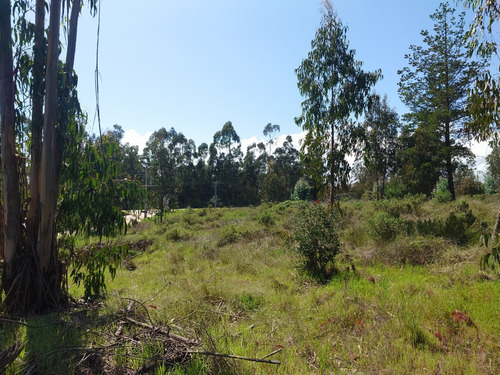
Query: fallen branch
{"x": 273, "y": 353}
{"x": 163, "y": 331}
{"x": 238, "y": 357}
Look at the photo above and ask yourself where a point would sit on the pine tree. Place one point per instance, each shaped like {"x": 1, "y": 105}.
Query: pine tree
{"x": 435, "y": 85}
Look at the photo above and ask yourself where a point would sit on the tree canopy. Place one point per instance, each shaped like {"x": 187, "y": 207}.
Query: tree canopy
{"x": 335, "y": 88}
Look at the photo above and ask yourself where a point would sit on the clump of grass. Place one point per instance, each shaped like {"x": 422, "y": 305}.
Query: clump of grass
{"x": 414, "y": 251}
{"x": 229, "y": 235}
{"x": 248, "y": 301}
{"x": 176, "y": 234}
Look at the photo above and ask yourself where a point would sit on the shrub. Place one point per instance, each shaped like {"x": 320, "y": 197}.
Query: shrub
{"x": 412, "y": 250}
{"x": 90, "y": 263}
{"x": 317, "y": 241}
{"x": 383, "y": 227}
{"x": 228, "y": 236}
{"x": 266, "y": 219}
{"x": 490, "y": 186}
{"x": 395, "y": 189}
{"x": 175, "y": 235}
{"x": 441, "y": 192}
{"x": 301, "y": 191}
{"x": 469, "y": 186}
{"x": 456, "y": 227}
{"x": 410, "y": 204}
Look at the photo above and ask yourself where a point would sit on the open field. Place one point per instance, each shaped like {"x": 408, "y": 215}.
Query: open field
{"x": 406, "y": 298}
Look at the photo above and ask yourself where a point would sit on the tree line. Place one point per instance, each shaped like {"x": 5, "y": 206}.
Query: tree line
{"x": 343, "y": 119}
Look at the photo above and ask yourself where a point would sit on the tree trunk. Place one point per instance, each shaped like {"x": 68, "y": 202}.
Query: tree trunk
{"x": 49, "y": 189}
{"x": 384, "y": 177}
{"x": 10, "y": 181}
{"x": 449, "y": 164}
{"x": 64, "y": 112}
{"x": 37, "y": 119}
{"x": 332, "y": 168}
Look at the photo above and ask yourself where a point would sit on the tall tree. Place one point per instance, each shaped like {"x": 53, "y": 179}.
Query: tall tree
{"x": 417, "y": 159}
{"x": 381, "y": 134}
{"x": 224, "y": 163}
{"x": 10, "y": 175}
{"x": 335, "y": 88}
{"x": 435, "y": 84}
{"x": 270, "y": 130}
{"x": 32, "y": 276}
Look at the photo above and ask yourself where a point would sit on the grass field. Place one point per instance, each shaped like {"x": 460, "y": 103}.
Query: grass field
{"x": 408, "y": 296}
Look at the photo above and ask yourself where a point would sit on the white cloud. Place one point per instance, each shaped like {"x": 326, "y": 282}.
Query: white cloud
{"x": 481, "y": 150}
{"x": 278, "y": 141}
{"x": 135, "y": 139}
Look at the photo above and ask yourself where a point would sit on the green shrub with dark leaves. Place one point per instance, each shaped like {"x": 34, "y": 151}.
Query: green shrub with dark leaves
{"x": 317, "y": 241}
{"x": 266, "y": 219}
{"x": 301, "y": 191}
{"x": 383, "y": 227}
{"x": 457, "y": 227}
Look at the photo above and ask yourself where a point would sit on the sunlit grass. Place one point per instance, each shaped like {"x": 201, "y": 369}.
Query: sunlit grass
{"x": 229, "y": 277}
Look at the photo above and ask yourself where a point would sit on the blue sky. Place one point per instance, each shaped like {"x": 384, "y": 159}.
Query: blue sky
{"x": 195, "y": 64}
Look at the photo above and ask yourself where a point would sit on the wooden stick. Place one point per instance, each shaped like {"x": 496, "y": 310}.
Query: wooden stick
{"x": 237, "y": 357}
{"x": 273, "y": 353}
{"x": 162, "y": 331}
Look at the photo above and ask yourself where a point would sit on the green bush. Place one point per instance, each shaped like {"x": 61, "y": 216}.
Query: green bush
{"x": 410, "y": 204}
{"x": 266, "y": 219}
{"x": 317, "y": 241}
{"x": 90, "y": 263}
{"x": 228, "y": 236}
{"x": 383, "y": 227}
{"x": 490, "y": 186}
{"x": 441, "y": 192}
{"x": 469, "y": 186}
{"x": 301, "y": 191}
{"x": 457, "y": 227}
{"x": 395, "y": 189}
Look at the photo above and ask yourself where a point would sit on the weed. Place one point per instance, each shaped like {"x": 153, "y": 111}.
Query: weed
{"x": 248, "y": 302}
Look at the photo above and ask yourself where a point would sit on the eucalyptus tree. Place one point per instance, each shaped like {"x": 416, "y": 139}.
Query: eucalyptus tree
{"x": 335, "y": 88}
{"x": 32, "y": 275}
{"x": 435, "y": 84}
{"x": 270, "y": 130}
{"x": 168, "y": 153}
{"x": 381, "y": 134}
{"x": 47, "y": 155}
{"x": 224, "y": 162}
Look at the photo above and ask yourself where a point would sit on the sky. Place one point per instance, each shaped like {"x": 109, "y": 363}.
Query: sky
{"x": 196, "y": 64}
